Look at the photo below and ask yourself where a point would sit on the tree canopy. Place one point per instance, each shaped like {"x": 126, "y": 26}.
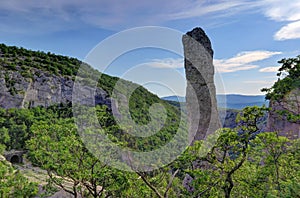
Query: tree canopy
{"x": 289, "y": 79}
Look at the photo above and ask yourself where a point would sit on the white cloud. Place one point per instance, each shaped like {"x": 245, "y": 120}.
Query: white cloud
{"x": 169, "y": 63}
{"x": 242, "y": 61}
{"x": 269, "y": 69}
{"x": 278, "y": 10}
{"x": 223, "y": 67}
{"x": 288, "y": 11}
{"x": 201, "y": 8}
{"x": 290, "y": 31}
{"x": 259, "y": 82}
{"x": 251, "y": 56}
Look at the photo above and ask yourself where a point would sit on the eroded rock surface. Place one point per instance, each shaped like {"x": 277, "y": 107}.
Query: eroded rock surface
{"x": 44, "y": 89}
{"x": 200, "y": 91}
{"x": 277, "y": 122}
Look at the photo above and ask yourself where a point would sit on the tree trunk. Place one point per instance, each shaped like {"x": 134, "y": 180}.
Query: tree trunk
{"x": 228, "y": 186}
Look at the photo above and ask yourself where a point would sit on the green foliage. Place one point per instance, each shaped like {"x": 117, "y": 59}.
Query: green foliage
{"x": 4, "y": 136}
{"x": 58, "y": 149}
{"x": 242, "y": 164}
{"x": 272, "y": 169}
{"x": 291, "y": 117}
{"x": 14, "y": 184}
{"x": 31, "y": 64}
{"x": 15, "y": 123}
{"x": 249, "y": 120}
{"x": 15, "y": 127}
{"x": 14, "y": 58}
{"x": 289, "y": 74}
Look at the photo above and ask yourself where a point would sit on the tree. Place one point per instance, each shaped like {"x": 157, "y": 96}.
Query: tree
{"x": 162, "y": 182}
{"x": 4, "y": 136}
{"x": 13, "y": 183}
{"x": 215, "y": 172}
{"x": 70, "y": 166}
{"x": 290, "y": 67}
{"x": 278, "y": 165}
{"x": 289, "y": 74}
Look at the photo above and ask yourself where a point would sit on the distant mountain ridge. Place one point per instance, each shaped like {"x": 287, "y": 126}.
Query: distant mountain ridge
{"x": 230, "y": 101}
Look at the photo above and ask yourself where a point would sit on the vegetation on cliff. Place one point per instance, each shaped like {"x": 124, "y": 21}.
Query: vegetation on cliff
{"x": 289, "y": 79}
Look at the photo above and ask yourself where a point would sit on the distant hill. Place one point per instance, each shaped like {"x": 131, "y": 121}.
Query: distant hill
{"x": 174, "y": 98}
{"x": 230, "y": 101}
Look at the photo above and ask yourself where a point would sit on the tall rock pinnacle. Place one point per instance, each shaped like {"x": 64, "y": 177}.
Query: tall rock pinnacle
{"x": 200, "y": 91}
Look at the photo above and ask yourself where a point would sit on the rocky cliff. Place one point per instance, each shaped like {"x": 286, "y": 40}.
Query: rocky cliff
{"x": 280, "y": 116}
{"x": 41, "y": 89}
{"x": 33, "y": 78}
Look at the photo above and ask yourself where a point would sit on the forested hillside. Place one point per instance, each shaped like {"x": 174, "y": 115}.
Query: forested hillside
{"x": 32, "y": 66}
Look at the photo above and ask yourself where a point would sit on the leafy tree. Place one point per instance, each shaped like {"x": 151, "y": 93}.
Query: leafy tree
{"x": 70, "y": 165}
{"x": 272, "y": 169}
{"x": 4, "y": 136}
{"x": 13, "y": 183}
{"x": 163, "y": 182}
{"x": 289, "y": 74}
{"x": 215, "y": 172}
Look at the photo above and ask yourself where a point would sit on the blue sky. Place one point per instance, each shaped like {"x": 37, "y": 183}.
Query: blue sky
{"x": 248, "y": 37}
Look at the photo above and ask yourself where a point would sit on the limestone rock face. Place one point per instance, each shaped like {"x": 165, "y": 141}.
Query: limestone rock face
{"x": 44, "y": 89}
{"x": 200, "y": 91}
{"x": 279, "y": 123}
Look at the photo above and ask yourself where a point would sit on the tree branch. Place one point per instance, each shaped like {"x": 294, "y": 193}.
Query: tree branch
{"x": 170, "y": 182}
{"x": 149, "y": 185}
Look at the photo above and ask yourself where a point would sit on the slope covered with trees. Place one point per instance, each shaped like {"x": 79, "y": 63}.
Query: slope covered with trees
{"x": 31, "y": 64}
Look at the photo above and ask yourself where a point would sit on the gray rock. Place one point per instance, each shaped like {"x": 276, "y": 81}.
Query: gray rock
{"x": 187, "y": 183}
{"x": 279, "y": 123}
{"x": 200, "y": 91}
{"x": 45, "y": 89}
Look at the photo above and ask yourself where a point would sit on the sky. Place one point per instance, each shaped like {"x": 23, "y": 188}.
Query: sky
{"x": 248, "y": 37}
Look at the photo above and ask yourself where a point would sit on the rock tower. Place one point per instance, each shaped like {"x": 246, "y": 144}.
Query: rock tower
{"x": 200, "y": 91}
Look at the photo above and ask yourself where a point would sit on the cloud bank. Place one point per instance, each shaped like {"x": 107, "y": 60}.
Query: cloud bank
{"x": 288, "y": 11}
{"x": 34, "y": 16}
{"x": 114, "y": 14}
{"x": 242, "y": 61}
